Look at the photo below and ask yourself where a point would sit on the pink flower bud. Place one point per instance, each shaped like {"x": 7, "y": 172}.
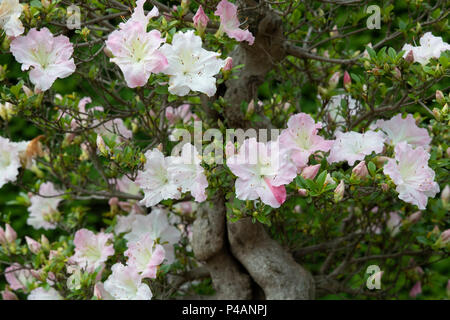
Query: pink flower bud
{"x": 44, "y": 241}
{"x": 33, "y": 245}
{"x": 200, "y": 20}
{"x": 347, "y": 81}
{"x": 113, "y": 202}
{"x": 228, "y": 64}
{"x": 297, "y": 209}
{"x": 2, "y": 237}
{"x": 339, "y": 191}
{"x": 397, "y": 73}
{"x": 101, "y": 145}
{"x": 302, "y": 192}
{"x": 9, "y": 295}
{"x": 445, "y": 237}
{"x": 360, "y": 170}
{"x": 310, "y": 172}
{"x": 415, "y": 217}
{"x": 334, "y": 32}
{"x": 410, "y": 57}
{"x": 445, "y": 195}
{"x": 416, "y": 290}
{"x": 10, "y": 234}
{"x": 334, "y": 80}
{"x": 439, "y": 96}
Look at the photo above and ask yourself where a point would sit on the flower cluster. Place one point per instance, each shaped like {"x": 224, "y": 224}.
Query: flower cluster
{"x": 167, "y": 177}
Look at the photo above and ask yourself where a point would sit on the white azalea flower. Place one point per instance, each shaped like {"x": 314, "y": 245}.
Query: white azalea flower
{"x": 10, "y": 11}
{"x": 10, "y": 159}
{"x": 125, "y": 283}
{"x": 186, "y": 171}
{"x": 43, "y": 294}
{"x": 43, "y": 209}
{"x": 155, "y": 181}
{"x": 430, "y": 47}
{"x": 353, "y": 146}
{"x": 190, "y": 66}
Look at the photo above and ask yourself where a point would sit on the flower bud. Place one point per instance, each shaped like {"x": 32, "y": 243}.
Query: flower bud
{"x": 339, "y": 191}
{"x": 329, "y": 180}
{"x": 445, "y": 195}
{"x": 302, "y": 192}
{"x": 437, "y": 114}
{"x": 10, "y": 234}
{"x": 228, "y": 64}
{"x": 415, "y": 217}
{"x": 444, "y": 239}
{"x": 360, "y": 170}
{"x": 334, "y": 80}
{"x": 108, "y": 52}
{"x": 439, "y": 96}
{"x": 384, "y": 187}
{"x": 200, "y": 20}
{"x": 416, "y": 290}
{"x": 33, "y": 245}
{"x": 46, "y": 3}
{"x": 250, "y": 107}
{"x": 102, "y": 146}
{"x": 347, "y": 81}
{"x": 334, "y": 32}
{"x": 310, "y": 172}
{"x": 2, "y": 237}
{"x": 6, "y": 111}
{"x": 410, "y": 57}
{"x": 9, "y": 295}
{"x": 185, "y": 6}
{"x": 44, "y": 242}
{"x": 397, "y": 73}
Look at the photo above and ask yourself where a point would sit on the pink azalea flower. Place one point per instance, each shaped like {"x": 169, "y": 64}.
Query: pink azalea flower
{"x": 124, "y": 223}
{"x": 48, "y": 56}
{"x": 411, "y": 174}
{"x": 182, "y": 113}
{"x": 190, "y": 66}
{"x": 18, "y": 276}
{"x": 9, "y": 295}
{"x": 262, "y": 171}
{"x": 44, "y": 294}
{"x": 187, "y": 173}
{"x": 135, "y": 50}
{"x": 155, "y": 179}
{"x": 10, "y": 159}
{"x": 416, "y": 290}
{"x": 353, "y": 146}
{"x": 125, "y": 283}
{"x": 399, "y": 129}
{"x": 10, "y": 11}
{"x": 145, "y": 256}
{"x": 157, "y": 224}
{"x": 91, "y": 250}
{"x": 229, "y": 22}
{"x": 43, "y": 209}
{"x": 302, "y": 139}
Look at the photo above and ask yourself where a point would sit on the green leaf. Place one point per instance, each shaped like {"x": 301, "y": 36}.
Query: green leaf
{"x": 372, "y": 168}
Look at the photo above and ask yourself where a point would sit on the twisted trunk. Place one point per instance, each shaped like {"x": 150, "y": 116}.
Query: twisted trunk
{"x": 254, "y": 256}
